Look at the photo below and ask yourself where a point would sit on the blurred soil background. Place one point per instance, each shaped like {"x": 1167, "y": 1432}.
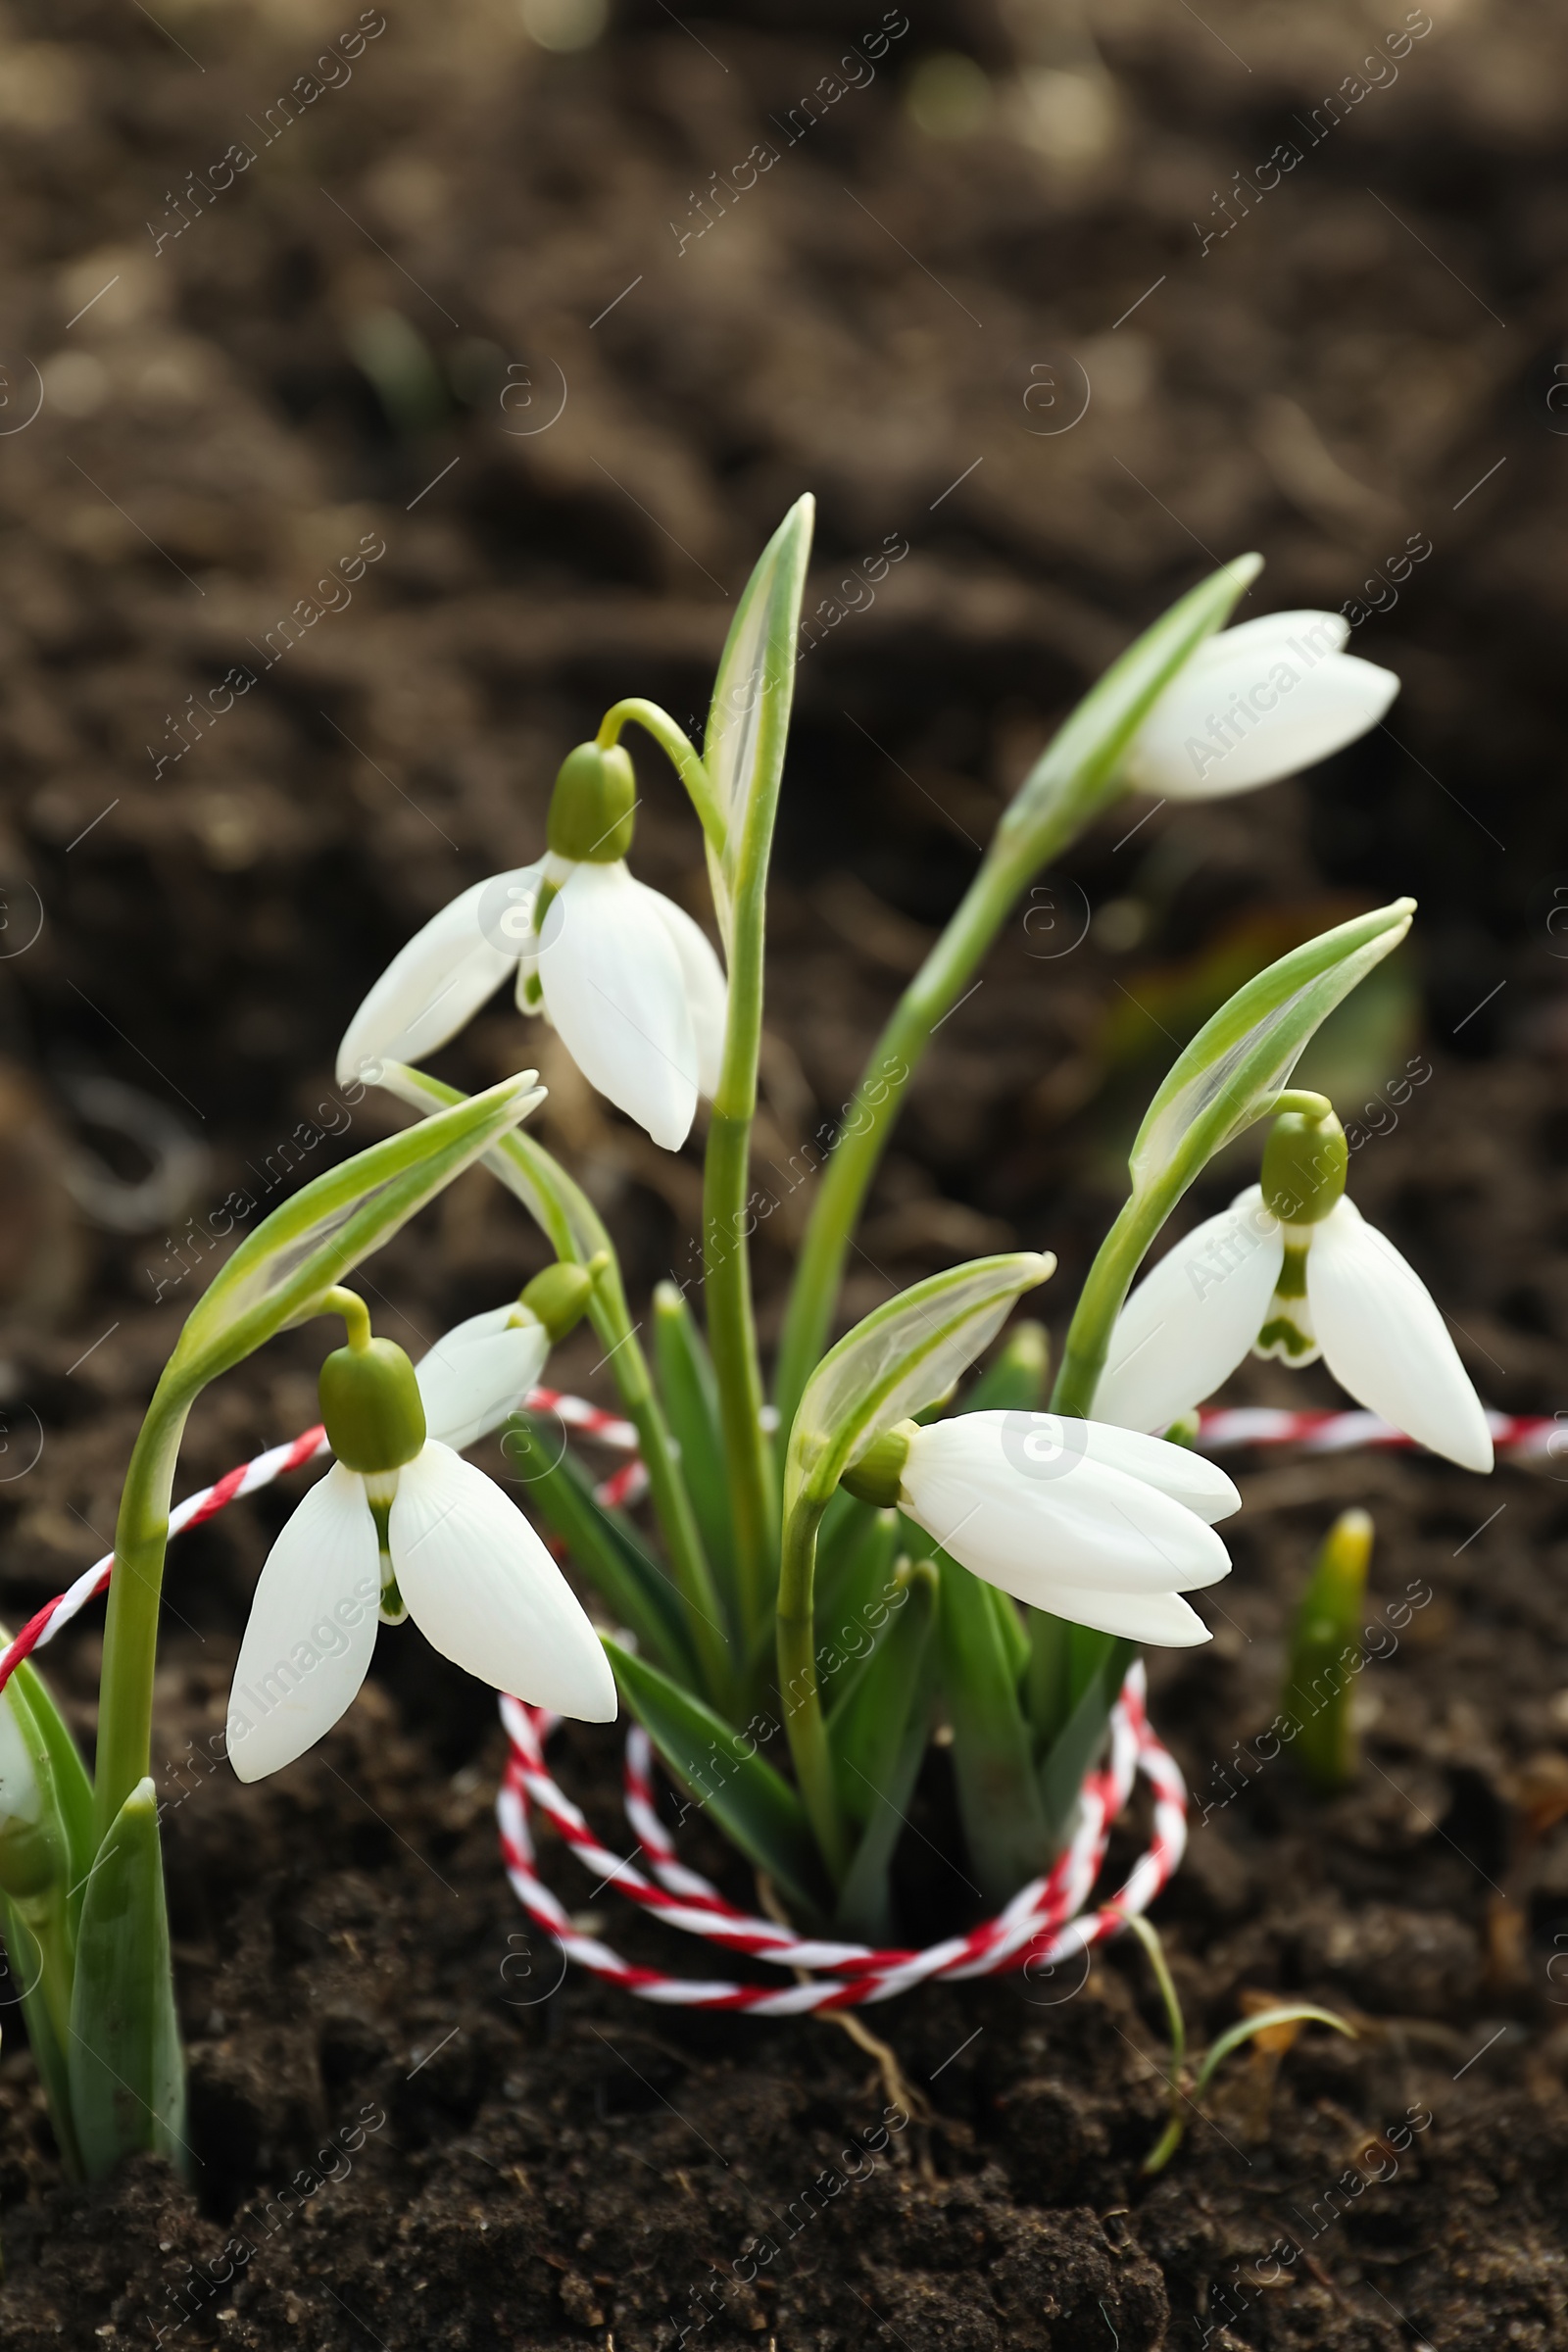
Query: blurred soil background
{"x": 462, "y": 407}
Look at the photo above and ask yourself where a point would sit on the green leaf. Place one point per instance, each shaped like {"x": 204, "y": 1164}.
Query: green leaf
{"x": 1325, "y": 1657}
{"x": 904, "y": 1356}
{"x": 604, "y": 1542}
{"x": 1082, "y": 760}
{"x": 1006, "y": 1825}
{"x": 865, "y": 1729}
{"x": 1076, "y": 1746}
{"x": 1242, "y": 1058}
{"x": 753, "y": 1804}
{"x": 128, "y": 2085}
{"x": 748, "y": 721}
{"x": 880, "y": 1739}
{"x": 691, "y": 1401}
{"x": 315, "y": 1237}
{"x": 856, "y": 1604}
{"x": 72, "y": 1789}
{"x": 1292, "y": 2013}
{"x": 1014, "y": 1381}
{"x": 31, "y": 1957}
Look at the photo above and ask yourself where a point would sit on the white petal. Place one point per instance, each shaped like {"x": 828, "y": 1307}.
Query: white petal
{"x": 484, "y": 1592}
{"x": 614, "y": 992}
{"x": 706, "y": 995}
{"x": 1025, "y": 1523}
{"x": 1257, "y": 704}
{"x": 1193, "y": 1319}
{"x": 312, "y": 1629}
{"x": 1188, "y": 1477}
{"x": 442, "y": 976}
{"x": 1384, "y": 1339}
{"x": 1270, "y": 635}
{"x": 1163, "y": 1618}
{"x": 478, "y": 1373}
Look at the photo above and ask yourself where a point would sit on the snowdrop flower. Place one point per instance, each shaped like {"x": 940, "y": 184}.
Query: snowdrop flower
{"x": 480, "y": 1372}
{"x": 624, "y": 975}
{"x": 400, "y": 1526}
{"x": 1292, "y": 1269}
{"x": 1257, "y": 703}
{"x": 1099, "y": 1524}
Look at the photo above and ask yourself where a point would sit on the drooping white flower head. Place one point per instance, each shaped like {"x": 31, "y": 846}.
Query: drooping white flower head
{"x": 427, "y": 1536}
{"x": 1099, "y": 1524}
{"x": 1316, "y": 1281}
{"x": 1257, "y": 703}
{"x": 625, "y": 976}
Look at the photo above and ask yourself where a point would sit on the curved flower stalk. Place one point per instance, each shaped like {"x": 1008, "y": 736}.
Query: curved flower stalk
{"x": 1257, "y": 703}
{"x": 1292, "y": 1269}
{"x": 400, "y": 1526}
{"x": 1096, "y": 1524}
{"x": 624, "y": 975}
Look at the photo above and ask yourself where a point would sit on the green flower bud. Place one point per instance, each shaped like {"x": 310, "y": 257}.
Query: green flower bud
{"x": 558, "y": 1297}
{"x": 1304, "y": 1167}
{"x": 877, "y": 1476}
{"x": 370, "y": 1406}
{"x": 591, "y": 807}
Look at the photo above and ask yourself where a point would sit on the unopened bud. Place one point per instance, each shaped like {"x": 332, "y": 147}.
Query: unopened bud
{"x": 560, "y": 1296}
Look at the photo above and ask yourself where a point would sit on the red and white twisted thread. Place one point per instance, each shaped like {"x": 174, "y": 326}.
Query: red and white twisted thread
{"x": 1043, "y": 1925}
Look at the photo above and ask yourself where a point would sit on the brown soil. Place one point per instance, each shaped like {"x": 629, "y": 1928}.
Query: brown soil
{"x": 485, "y": 2156}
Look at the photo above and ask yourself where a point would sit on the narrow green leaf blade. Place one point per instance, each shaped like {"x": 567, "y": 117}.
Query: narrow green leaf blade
{"x": 754, "y": 1805}
{"x": 71, "y": 1786}
{"x": 852, "y": 1596}
{"x": 29, "y": 1962}
{"x": 865, "y": 1729}
{"x": 128, "y": 2082}
{"x": 881, "y": 1747}
{"x": 691, "y": 1401}
{"x": 1292, "y": 2013}
{"x": 1006, "y": 1825}
{"x": 1061, "y": 1774}
{"x": 604, "y": 1542}
{"x": 1016, "y": 1382}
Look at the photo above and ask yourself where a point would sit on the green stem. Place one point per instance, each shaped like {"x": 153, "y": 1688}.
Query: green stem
{"x": 578, "y": 1236}
{"x": 130, "y": 1629}
{"x": 1100, "y": 1301}
{"x": 672, "y": 1506}
{"x": 354, "y": 1311}
{"x": 804, "y": 1721}
{"x": 680, "y": 752}
{"x": 732, "y": 1342}
{"x": 1004, "y": 871}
